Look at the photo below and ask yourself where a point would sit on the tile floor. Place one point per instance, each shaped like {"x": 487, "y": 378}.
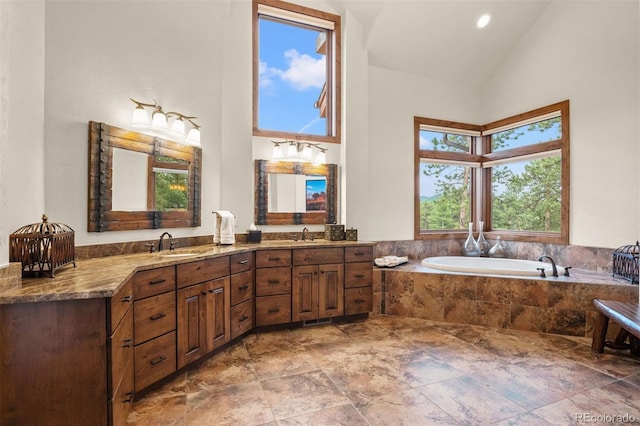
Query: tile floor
{"x": 392, "y": 371}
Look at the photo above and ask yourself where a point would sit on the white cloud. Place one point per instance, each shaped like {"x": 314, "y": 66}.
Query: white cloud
{"x": 267, "y": 74}
{"x": 304, "y": 72}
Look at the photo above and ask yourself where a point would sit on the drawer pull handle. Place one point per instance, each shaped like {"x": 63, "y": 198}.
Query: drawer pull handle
{"x": 243, "y": 318}
{"x": 359, "y": 275}
{"x": 158, "y": 360}
{"x": 127, "y": 299}
{"x": 273, "y": 281}
{"x": 243, "y": 287}
{"x": 359, "y": 253}
{"x": 158, "y": 316}
{"x": 160, "y": 281}
{"x": 274, "y": 310}
{"x": 127, "y": 343}
{"x": 243, "y": 262}
{"x": 204, "y": 293}
{"x": 128, "y": 397}
{"x": 273, "y": 259}
{"x": 216, "y": 290}
{"x": 360, "y": 301}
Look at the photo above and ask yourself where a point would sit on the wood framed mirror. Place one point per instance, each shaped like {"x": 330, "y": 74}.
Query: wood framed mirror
{"x": 138, "y": 181}
{"x": 288, "y": 193}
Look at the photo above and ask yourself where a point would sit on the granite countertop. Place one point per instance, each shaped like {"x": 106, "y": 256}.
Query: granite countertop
{"x": 103, "y": 277}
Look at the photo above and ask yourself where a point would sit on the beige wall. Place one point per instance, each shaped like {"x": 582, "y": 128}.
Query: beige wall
{"x": 86, "y": 59}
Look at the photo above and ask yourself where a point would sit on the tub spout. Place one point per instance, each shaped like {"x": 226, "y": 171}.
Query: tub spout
{"x": 553, "y": 264}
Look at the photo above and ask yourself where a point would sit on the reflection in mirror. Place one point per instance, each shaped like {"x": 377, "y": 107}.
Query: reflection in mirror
{"x": 137, "y": 181}
{"x": 289, "y": 193}
{"x": 129, "y": 187}
{"x": 297, "y": 193}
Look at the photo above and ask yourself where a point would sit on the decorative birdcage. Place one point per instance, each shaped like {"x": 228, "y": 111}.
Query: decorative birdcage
{"x": 42, "y": 247}
{"x": 625, "y": 262}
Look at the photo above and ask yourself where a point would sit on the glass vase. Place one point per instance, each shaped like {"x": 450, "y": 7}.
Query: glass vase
{"x": 470, "y": 246}
{"x": 483, "y": 244}
{"x": 498, "y": 249}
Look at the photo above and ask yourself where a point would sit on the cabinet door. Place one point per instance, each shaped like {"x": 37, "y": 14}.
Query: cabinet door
{"x": 331, "y": 290}
{"x": 305, "y": 293}
{"x": 218, "y": 313}
{"x": 192, "y": 307}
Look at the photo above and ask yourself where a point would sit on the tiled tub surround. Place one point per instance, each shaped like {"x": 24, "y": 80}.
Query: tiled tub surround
{"x": 553, "y": 305}
{"x": 579, "y": 257}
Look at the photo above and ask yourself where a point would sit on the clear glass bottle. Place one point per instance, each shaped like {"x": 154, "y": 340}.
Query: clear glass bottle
{"x": 498, "y": 249}
{"x": 470, "y": 247}
{"x": 483, "y": 244}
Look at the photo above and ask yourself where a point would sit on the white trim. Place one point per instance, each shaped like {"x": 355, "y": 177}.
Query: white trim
{"x": 531, "y": 120}
{"x": 288, "y": 15}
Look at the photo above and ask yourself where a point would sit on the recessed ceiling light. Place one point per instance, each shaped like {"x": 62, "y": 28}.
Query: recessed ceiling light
{"x": 483, "y": 21}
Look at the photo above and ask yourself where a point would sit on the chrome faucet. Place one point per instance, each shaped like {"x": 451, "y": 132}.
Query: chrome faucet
{"x": 160, "y": 243}
{"x": 304, "y": 233}
{"x": 553, "y": 264}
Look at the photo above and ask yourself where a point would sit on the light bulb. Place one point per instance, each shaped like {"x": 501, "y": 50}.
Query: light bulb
{"x": 277, "y": 152}
{"x": 321, "y": 158}
{"x": 194, "y": 136}
{"x": 292, "y": 151}
{"x": 306, "y": 152}
{"x": 159, "y": 120}
{"x": 140, "y": 117}
{"x": 177, "y": 127}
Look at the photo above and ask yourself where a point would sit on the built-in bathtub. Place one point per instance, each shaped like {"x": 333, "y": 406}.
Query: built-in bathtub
{"x": 491, "y": 266}
{"x": 493, "y": 294}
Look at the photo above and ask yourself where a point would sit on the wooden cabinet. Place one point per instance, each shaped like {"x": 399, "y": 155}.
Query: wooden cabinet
{"x": 273, "y": 287}
{"x": 203, "y": 308}
{"x": 242, "y": 294}
{"x": 154, "y": 323}
{"x": 358, "y": 280}
{"x": 317, "y": 283}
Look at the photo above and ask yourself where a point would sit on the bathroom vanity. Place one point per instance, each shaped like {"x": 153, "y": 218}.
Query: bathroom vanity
{"x": 75, "y": 349}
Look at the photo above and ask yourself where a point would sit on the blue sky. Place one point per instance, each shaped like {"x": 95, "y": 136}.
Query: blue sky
{"x": 291, "y": 78}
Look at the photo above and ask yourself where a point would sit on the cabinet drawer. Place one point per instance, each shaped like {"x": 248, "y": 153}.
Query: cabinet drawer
{"x": 204, "y": 270}
{"x": 241, "y": 318}
{"x": 272, "y": 281}
{"x": 154, "y": 281}
{"x": 273, "y": 258}
{"x": 120, "y": 351}
{"x": 154, "y": 316}
{"x": 241, "y": 287}
{"x": 241, "y": 262}
{"x": 358, "y": 274}
{"x": 358, "y": 254}
{"x": 273, "y": 310}
{"x": 358, "y": 300}
{"x": 119, "y": 304}
{"x": 318, "y": 256}
{"x": 120, "y": 404}
{"x": 154, "y": 360}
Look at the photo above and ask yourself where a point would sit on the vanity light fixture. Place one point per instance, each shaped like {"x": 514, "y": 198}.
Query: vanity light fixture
{"x": 159, "y": 122}
{"x": 299, "y": 151}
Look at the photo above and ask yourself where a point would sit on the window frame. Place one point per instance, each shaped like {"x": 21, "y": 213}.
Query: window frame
{"x": 334, "y": 71}
{"x": 482, "y": 188}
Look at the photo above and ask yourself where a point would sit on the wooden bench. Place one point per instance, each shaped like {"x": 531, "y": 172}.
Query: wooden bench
{"x": 627, "y": 315}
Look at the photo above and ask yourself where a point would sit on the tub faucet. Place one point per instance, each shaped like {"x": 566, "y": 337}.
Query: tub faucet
{"x": 553, "y": 264}
{"x": 160, "y": 243}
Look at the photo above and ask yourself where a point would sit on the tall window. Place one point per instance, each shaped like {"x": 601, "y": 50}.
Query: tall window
{"x": 296, "y": 72}
{"x": 512, "y": 174}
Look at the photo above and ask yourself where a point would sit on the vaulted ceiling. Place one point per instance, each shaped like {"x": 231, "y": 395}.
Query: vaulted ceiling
{"x": 439, "y": 38}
